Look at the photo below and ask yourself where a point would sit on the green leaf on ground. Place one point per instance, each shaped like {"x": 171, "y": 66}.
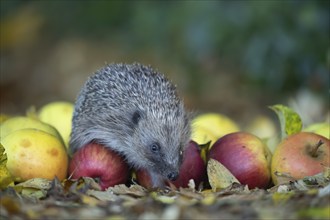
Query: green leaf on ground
{"x": 5, "y": 176}
{"x": 290, "y": 121}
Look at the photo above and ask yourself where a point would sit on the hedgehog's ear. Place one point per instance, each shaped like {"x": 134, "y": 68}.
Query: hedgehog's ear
{"x": 136, "y": 117}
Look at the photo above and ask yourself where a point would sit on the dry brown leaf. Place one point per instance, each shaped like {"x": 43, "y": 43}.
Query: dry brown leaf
{"x": 134, "y": 190}
{"x": 283, "y": 178}
{"x": 190, "y": 193}
{"x": 312, "y": 182}
{"x": 36, "y": 183}
{"x": 102, "y": 195}
{"x": 90, "y": 182}
{"x": 35, "y": 188}
{"x": 219, "y": 176}
{"x": 10, "y": 205}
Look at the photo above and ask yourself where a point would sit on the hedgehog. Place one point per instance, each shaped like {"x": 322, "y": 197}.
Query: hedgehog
{"x": 136, "y": 112}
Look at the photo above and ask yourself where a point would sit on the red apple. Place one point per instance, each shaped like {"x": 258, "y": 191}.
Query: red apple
{"x": 97, "y": 161}
{"x": 245, "y": 156}
{"x": 300, "y": 155}
{"x": 192, "y": 167}
{"x": 143, "y": 178}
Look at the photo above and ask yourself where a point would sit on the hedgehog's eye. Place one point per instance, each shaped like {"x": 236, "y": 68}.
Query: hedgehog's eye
{"x": 155, "y": 147}
{"x": 180, "y": 156}
{"x": 136, "y": 117}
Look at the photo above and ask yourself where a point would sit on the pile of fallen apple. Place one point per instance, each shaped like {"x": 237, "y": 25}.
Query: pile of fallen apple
{"x": 35, "y": 146}
{"x": 219, "y": 153}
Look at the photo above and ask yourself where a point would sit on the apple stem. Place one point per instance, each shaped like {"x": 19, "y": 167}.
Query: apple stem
{"x": 316, "y": 147}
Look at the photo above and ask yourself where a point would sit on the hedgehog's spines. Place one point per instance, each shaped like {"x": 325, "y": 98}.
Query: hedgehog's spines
{"x": 105, "y": 112}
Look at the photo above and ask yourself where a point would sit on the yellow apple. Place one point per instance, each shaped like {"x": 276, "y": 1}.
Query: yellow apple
{"x": 264, "y": 128}
{"x": 322, "y": 128}
{"x": 21, "y": 122}
{"x": 202, "y": 136}
{"x": 59, "y": 115}
{"x": 33, "y": 153}
{"x": 217, "y": 124}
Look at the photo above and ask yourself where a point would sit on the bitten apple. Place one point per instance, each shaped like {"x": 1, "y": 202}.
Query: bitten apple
{"x": 97, "y": 161}
{"x": 300, "y": 155}
{"x": 245, "y": 156}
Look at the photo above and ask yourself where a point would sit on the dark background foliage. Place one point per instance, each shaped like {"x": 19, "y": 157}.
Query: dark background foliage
{"x": 234, "y": 57}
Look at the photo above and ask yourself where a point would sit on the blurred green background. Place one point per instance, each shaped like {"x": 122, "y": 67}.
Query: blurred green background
{"x": 232, "y": 57}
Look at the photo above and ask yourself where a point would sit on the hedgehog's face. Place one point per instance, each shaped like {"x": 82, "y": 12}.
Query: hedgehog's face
{"x": 162, "y": 142}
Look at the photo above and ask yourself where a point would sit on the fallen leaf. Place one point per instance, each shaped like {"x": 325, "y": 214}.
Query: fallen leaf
{"x": 190, "y": 193}
{"x": 10, "y": 204}
{"x": 184, "y": 201}
{"x": 325, "y": 191}
{"x": 315, "y": 213}
{"x": 281, "y": 197}
{"x": 133, "y": 190}
{"x": 32, "y": 193}
{"x": 162, "y": 198}
{"x": 5, "y": 176}
{"x": 90, "y": 183}
{"x": 312, "y": 182}
{"x": 326, "y": 173}
{"x": 56, "y": 188}
{"x": 116, "y": 217}
{"x": 36, "y": 183}
{"x": 290, "y": 121}
{"x": 102, "y": 195}
{"x": 219, "y": 176}
{"x": 81, "y": 185}
{"x": 89, "y": 200}
{"x": 209, "y": 199}
{"x": 283, "y": 177}
{"x": 171, "y": 212}
{"x": 283, "y": 189}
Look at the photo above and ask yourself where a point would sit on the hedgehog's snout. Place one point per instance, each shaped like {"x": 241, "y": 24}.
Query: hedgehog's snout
{"x": 173, "y": 175}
